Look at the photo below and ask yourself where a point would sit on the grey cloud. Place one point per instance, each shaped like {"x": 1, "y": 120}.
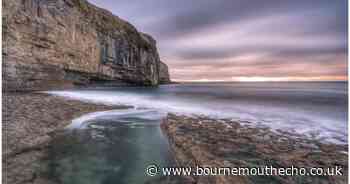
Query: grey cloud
{"x": 222, "y": 53}
{"x": 184, "y": 16}
{"x": 168, "y": 21}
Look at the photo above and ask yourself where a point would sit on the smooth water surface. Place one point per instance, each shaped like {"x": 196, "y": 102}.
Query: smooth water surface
{"x": 315, "y": 109}
{"x": 107, "y": 148}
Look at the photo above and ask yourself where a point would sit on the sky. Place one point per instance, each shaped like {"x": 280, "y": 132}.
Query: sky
{"x": 244, "y": 40}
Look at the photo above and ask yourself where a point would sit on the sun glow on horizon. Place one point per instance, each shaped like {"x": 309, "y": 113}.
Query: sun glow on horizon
{"x": 270, "y": 79}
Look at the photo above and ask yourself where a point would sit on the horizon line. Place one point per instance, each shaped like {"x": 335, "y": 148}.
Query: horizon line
{"x": 270, "y": 79}
{"x": 199, "y": 81}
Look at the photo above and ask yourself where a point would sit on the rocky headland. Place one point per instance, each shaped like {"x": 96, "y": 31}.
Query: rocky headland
{"x": 56, "y": 44}
{"x": 205, "y": 142}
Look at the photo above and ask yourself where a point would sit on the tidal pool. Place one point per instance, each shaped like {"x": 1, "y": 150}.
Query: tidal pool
{"x": 108, "y": 148}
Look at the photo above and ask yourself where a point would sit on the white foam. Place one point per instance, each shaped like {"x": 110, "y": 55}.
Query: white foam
{"x": 83, "y": 121}
{"x": 284, "y": 118}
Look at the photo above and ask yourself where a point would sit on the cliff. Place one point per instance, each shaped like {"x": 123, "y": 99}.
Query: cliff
{"x": 164, "y": 77}
{"x": 49, "y": 44}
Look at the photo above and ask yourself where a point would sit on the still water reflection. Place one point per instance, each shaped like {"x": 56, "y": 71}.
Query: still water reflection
{"x": 111, "y": 148}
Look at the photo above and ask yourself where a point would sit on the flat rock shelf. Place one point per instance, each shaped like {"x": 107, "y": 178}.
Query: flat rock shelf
{"x": 205, "y": 142}
{"x": 49, "y": 139}
{"x": 29, "y": 119}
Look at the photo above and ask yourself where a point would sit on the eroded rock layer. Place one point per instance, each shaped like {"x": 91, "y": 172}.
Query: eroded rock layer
{"x": 210, "y": 143}
{"x": 164, "y": 77}
{"x": 51, "y": 43}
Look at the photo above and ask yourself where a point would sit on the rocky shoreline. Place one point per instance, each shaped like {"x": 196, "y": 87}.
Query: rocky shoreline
{"x": 28, "y": 121}
{"x": 205, "y": 142}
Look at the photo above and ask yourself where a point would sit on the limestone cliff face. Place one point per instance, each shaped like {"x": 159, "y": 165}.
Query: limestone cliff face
{"x": 164, "y": 76}
{"x": 50, "y": 43}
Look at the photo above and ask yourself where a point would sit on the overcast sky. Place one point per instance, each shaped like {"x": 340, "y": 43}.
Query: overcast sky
{"x": 244, "y": 39}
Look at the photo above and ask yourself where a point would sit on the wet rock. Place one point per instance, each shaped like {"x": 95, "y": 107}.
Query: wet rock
{"x": 201, "y": 141}
{"x": 29, "y": 120}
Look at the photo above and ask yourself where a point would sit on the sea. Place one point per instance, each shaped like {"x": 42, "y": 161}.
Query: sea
{"x": 315, "y": 109}
{"x": 117, "y": 146}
